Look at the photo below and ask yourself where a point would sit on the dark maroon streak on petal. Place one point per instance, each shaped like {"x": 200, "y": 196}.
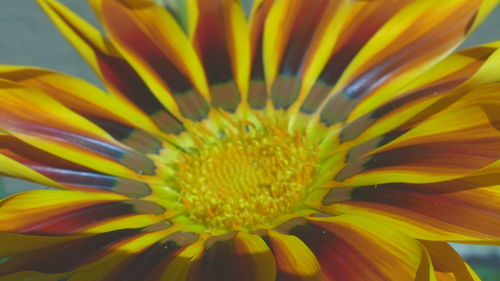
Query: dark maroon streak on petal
{"x": 191, "y": 104}
{"x": 29, "y": 155}
{"x": 137, "y": 139}
{"x": 122, "y": 76}
{"x": 149, "y": 264}
{"x": 71, "y": 222}
{"x": 221, "y": 262}
{"x": 147, "y": 261}
{"x": 218, "y": 261}
{"x": 286, "y": 86}
{"x": 84, "y": 180}
{"x": 138, "y": 94}
{"x": 68, "y": 173}
{"x": 358, "y": 152}
{"x": 343, "y": 56}
{"x": 211, "y": 45}
{"x": 130, "y": 158}
{"x": 352, "y": 130}
{"x": 460, "y": 154}
{"x": 70, "y": 255}
{"x": 257, "y": 91}
{"x": 338, "y": 260}
{"x": 373, "y": 78}
{"x": 420, "y": 200}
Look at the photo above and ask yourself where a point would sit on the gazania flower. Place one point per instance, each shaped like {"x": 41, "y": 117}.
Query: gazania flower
{"x": 258, "y": 141}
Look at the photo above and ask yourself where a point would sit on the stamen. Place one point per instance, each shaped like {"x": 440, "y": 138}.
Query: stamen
{"x": 249, "y": 178}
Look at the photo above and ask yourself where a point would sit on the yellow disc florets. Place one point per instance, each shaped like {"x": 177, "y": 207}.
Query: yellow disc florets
{"x": 246, "y": 179}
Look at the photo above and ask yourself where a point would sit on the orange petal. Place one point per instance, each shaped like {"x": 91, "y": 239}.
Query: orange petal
{"x": 222, "y": 40}
{"x": 294, "y": 260}
{"x": 448, "y": 145}
{"x": 27, "y": 162}
{"x": 448, "y": 264}
{"x": 58, "y": 212}
{"x": 116, "y": 73}
{"x": 459, "y": 210}
{"x": 62, "y": 132}
{"x": 399, "y": 52}
{"x": 357, "y": 249}
{"x": 233, "y": 257}
{"x": 153, "y": 43}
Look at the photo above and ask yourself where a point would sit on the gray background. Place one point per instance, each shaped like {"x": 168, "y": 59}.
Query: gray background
{"x": 27, "y": 37}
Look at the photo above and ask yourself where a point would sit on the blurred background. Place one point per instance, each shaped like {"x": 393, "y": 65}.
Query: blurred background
{"x": 29, "y": 38}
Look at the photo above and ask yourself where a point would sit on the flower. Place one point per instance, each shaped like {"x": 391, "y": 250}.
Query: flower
{"x": 260, "y": 140}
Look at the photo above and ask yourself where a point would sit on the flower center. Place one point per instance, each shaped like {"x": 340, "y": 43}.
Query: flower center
{"x": 247, "y": 179}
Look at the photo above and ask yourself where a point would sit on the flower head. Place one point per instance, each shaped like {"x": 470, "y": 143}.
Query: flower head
{"x": 258, "y": 140}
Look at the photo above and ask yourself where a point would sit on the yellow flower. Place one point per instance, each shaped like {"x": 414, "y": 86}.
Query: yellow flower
{"x": 287, "y": 140}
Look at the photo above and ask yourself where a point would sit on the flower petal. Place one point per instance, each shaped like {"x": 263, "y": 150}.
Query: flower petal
{"x": 255, "y": 259}
{"x": 27, "y": 162}
{"x": 433, "y": 151}
{"x": 351, "y": 248}
{"x": 288, "y": 33}
{"x": 233, "y": 257}
{"x": 149, "y": 263}
{"x": 133, "y": 137}
{"x": 12, "y": 168}
{"x": 108, "y": 261}
{"x": 64, "y": 257}
{"x": 257, "y": 91}
{"x": 182, "y": 264}
{"x": 222, "y": 40}
{"x": 153, "y": 43}
{"x": 459, "y": 210}
{"x": 33, "y": 276}
{"x": 77, "y": 95}
{"x": 364, "y": 20}
{"x": 120, "y": 120}
{"x": 399, "y": 52}
{"x": 294, "y": 260}
{"x": 454, "y": 76}
{"x": 327, "y": 36}
{"x": 60, "y": 131}
{"x": 115, "y": 72}
{"x": 87, "y": 256}
{"x": 58, "y": 212}
{"x": 14, "y": 243}
{"x": 448, "y": 264}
